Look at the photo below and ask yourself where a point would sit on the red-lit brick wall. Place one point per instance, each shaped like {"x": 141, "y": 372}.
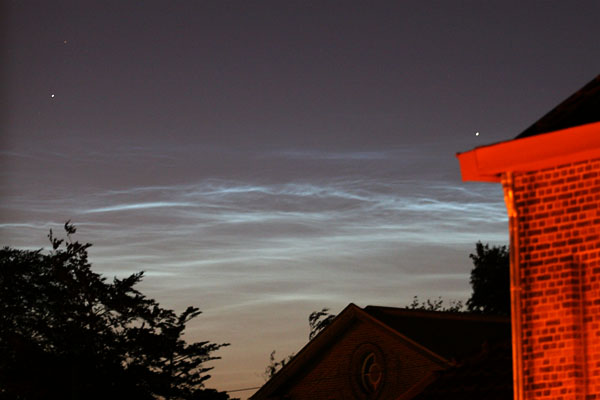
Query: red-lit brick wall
{"x": 558, "y": 233}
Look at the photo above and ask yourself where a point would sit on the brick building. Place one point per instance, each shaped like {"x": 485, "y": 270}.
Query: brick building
{"x": 551, "y": 179}
{"x": 394, "y": 353}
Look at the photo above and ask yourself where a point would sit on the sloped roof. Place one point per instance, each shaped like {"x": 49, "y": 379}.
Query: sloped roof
{"x": 583, "y": 107}
{"x": 567, "y": 134}
{"x": 444, "y": 336}
{"x": 463, "y": 333}
{"x": 487, "y": 375}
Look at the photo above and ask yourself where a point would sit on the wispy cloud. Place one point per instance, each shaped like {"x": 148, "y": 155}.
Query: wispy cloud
{"x": 334, "y": 156}
{"x": 137, "y": 206}
{"x": 319, "y": 229}
{"x": 235, "y": 223}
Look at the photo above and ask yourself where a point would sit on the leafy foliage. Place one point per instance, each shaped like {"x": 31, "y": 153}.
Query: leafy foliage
{"x": 275, "y": 366}
{"x": 490, "y": 280}
{"x": 436, "y": 305}
{"x": 319, "y": 320}
{"x": 67, "y": 333}
{"x": 490, "y": 283}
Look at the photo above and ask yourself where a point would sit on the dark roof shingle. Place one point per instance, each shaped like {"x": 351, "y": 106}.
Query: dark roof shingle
{"x": 583, "y": 107}
{"x": 453, "y": 336}
{"x": 487, "y": 375}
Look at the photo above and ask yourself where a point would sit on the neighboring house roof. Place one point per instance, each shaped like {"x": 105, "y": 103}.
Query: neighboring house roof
{"x": 442, "y": 337}
{"x": 583, "y": 107}
{"x": 463, "y": 333}
{"x": 487, "y": 375}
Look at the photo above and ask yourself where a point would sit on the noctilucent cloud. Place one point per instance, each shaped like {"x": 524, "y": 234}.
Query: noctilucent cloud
{"x": 265, "y": 160}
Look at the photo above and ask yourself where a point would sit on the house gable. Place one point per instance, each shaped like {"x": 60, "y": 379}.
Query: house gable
{"x": 339, "y": 372}
{"x": 383, "y": 353}
{"x": 331, "y": 366}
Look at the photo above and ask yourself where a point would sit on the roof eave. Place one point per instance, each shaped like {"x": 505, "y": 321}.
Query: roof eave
{"x": 488, "y": 163}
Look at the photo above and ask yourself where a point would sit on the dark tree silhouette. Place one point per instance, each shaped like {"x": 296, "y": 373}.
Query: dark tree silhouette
{"x": 490, "y": 280}
{"x": 275, "y": 366}
{"x": 67, "y": 333}
{"x": 436, "y": 305}
{"x": 319, "y": 320}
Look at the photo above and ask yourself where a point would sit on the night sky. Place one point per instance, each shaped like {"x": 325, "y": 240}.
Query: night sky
{"x": 262, "y": 160}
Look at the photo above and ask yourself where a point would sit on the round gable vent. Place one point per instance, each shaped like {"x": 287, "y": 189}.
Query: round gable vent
{"x": 367, "y": 375}
{"x": 371, "y": 373}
